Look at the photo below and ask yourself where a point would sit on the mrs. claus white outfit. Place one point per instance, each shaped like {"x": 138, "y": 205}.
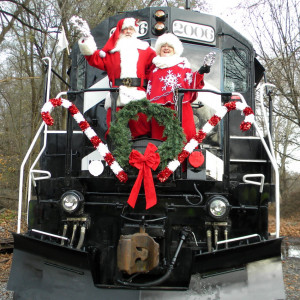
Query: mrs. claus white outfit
{"x": 122, "y": 58}
{"x": 167, "y": 74}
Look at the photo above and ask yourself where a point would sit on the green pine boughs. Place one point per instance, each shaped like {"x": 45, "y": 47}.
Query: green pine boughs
{"x": 121, "y": 137}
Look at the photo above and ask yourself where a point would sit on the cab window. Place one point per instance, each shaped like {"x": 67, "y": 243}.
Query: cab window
{"x": 235, "y": 70}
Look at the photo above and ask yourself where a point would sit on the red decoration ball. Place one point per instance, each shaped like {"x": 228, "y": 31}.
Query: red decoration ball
{"x": 196, "y": 159}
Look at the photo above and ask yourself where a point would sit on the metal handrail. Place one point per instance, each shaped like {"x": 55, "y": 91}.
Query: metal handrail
{"x": 49, "y": 234}
{"x": 30, "y": 178}
{"x": 261, "y": 183}
{"x": 274, "y": 165}
{"x": 29, "y": 152}
{"x": 245, "y": 237}
{"x": 34, "y": 179}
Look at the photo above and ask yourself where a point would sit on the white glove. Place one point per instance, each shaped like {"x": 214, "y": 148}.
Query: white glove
{"x": 209, "y": 59}
{"x": 81, "y": 26}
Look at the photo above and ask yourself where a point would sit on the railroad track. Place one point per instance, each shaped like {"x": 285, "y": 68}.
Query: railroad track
{"x": 6, "y": 245}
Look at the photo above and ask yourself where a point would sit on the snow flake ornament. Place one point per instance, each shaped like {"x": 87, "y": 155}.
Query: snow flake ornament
{"x": 171, "y": 80}
{"x": 149, "y": 87}
{"x": 188, "y": 78}
{"x": 209, "y": 59}
{"x": 81, "y": 26}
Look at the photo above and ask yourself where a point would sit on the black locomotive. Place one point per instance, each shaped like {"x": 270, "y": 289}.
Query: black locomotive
{"x": 85, "y": 242}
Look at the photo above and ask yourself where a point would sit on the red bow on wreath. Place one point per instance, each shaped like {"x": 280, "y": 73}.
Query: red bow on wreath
{"x": 150, "y": 160}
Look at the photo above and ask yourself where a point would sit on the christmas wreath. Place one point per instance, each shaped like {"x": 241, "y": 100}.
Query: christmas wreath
{"x": 121, "y": 136}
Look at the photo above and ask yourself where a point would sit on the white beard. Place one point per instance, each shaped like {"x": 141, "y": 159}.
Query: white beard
{"x": 125, "y": 42}
{"x": 128, "y": 48}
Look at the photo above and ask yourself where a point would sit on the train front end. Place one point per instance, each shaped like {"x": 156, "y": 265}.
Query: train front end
{"x": 208, "y": 234}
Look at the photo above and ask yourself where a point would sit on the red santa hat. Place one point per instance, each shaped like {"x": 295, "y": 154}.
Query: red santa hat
{"x": 170, "y": 39}
{"x": 122, "y": 24}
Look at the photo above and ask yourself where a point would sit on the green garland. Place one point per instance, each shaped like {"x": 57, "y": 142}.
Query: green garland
{"x": 121, "y": 136}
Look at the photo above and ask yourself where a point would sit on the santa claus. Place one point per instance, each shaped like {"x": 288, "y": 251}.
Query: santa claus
{"x": 126, "y": 59}
{"x": 169, "y": 72}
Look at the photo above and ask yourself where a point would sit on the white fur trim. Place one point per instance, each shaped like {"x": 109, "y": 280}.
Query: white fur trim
{"x": 102, "y": 53}
{"x": 107, "y": 103}
{"x": 126, "y": 95}
{"x": 132, "y": 42}
{"x": 129, "y": 56}
{"x": 169, "y": 61}
{"x": 87, "y": 46}
{"x": 170, "y": 39}
{"x": 143, "y": 45}
{"x": 129, "y": 22}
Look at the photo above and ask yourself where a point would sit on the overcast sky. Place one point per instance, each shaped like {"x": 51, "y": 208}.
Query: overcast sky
{"x": 225, "y": 9}
{"x": 222, "y": 6}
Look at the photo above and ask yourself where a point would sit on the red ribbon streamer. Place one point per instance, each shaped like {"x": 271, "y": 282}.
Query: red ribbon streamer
{"x": 150, "y": 160}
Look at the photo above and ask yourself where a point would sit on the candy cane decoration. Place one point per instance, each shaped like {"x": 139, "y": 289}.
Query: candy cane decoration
{"x": 201, "y": 134}
{"x": 87, "y": 130}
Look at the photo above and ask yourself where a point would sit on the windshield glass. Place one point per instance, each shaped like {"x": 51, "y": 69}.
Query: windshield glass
{"x": 195, "y": 54}
{"x": 235, "y": 70}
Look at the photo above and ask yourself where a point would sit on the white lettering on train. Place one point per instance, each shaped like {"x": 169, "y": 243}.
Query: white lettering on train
{"x": 194, "y": 31}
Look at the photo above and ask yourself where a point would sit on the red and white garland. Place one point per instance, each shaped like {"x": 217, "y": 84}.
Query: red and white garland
{"x": 174, "y": 164}
{"x": 201, "y": 134}
{"x": 87, "y": 130}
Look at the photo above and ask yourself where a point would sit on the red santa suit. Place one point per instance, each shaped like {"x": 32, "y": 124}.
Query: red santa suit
{"x": 122, "y": 58}
{"x": 167, "y": 74}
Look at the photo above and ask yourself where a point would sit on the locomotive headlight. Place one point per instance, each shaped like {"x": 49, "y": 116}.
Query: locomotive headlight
{"x": 71, "y": 201}
{"x": 218, "y": 207}
{"x": 159, "y": 28}
{"x": 160, "y": 15}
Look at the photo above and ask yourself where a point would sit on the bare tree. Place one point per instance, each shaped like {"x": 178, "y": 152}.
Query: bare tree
{"x": 275, "y": 27}
{"x": 28, "y": 32}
